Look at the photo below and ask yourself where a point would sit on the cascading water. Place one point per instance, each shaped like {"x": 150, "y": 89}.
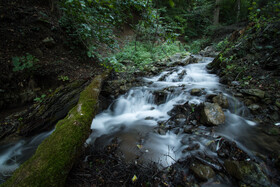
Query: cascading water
{"x": 13, "y": 154}
{"x": 133, "y": 117}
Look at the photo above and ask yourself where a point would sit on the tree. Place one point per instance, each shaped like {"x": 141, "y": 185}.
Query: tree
{"x": 217, "y": 12}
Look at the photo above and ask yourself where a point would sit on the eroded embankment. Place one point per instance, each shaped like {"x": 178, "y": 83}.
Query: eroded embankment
{"x": 54, "y": 158}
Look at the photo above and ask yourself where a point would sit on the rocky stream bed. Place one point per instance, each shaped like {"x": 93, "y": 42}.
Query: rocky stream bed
{"x": 179, "y": 127}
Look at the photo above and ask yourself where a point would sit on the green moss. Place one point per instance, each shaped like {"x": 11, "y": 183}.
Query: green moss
{"x": 54, "y": 158}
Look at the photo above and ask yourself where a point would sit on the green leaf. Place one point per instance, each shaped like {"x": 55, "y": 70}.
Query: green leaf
{"x": 171, "y": 3}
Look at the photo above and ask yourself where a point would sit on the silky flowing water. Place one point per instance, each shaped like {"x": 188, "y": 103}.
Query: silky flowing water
{"x": 133, "y": 117}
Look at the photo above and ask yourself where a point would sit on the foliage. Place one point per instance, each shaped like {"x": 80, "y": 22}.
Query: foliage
{"x": 188, "y": 19}
{"x": 261, "y": 15}
{"x": 136, "y": 55}
{"x": 91, "y": 22}
{"x": 63, "y": 78}
{"x": 197, "y": 45}
{"x": 40, "y": 99}
{"x": 24, "y": 62}
{"x": 222, "y": 44}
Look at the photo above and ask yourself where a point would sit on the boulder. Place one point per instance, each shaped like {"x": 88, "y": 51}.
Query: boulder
{"x": 203, "y": 172}
{"x": 212, "y": 114}
{"x": 248, "y": 172}
{"x": 196, "y": 92}
{"x": 254, "y": 92}
{"x": 221, "y": 100}
{"x": 160, "y": 96}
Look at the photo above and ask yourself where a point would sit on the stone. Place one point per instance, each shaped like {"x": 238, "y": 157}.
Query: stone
{"x": 254, "y": 92}
{"x": 196, "y": 92}
{"x": 212, "y": 114}
{"x": 161, "y": 131}
{"x": 248, "y": 172}
{"x": 192, "y": 147}
{"x": 221, "y": 100}
{"x": 254, "y": 107}
{"x": 160, "y": 96}
{"x": 203, "y": 172}
{"x": 235, "y": 83}
{"x": 188, "y": 129}
{"x": 49, "y": 42}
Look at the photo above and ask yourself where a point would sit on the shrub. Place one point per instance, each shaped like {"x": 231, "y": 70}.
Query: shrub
{"x": 24, "y": 62}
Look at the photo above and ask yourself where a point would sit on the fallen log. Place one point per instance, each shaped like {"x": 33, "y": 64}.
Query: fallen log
{"x": 54, "y": 158}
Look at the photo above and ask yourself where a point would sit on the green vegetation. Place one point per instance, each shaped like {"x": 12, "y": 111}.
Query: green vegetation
{"x": 136, "y": 55}
{"x": 24, "y": 63}
{"x": 40, "y": 99}
{"x": 63, "y": 78}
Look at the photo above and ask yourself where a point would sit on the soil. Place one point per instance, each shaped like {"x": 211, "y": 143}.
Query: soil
{"x": 24, "y": 26}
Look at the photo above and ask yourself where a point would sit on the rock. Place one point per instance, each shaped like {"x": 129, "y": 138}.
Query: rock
{"x": 202, "y": 172}
{"x": 160, "y": 96}
{"x": 254, "y": 92}
{"x": 161, "y": 131}
{"x": 192, "y": 147}
{"x": 196, "y": 92}
{"x": 254, "y": 107}
{"x": 229, "y": 150}
{"x": 180, "y": 119}
{"x": 212, "y": 114}
{"x": 49, "y": 42}
{"x": 188, "y": 129}
{"x": 248, "y": 172}
{"x": 235, "y": 83}
{"x": 221, "y": 100}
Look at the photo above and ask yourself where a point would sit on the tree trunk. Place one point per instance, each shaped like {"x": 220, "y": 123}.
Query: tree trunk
{"x": 217, "y": 13}
{"x": 238, "y": 10}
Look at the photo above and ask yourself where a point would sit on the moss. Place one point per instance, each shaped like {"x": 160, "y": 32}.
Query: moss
{"x": 54, "y": 158}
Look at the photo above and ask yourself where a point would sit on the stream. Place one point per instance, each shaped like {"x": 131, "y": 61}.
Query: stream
{"x": 133, "y": 117}
{"x": 140, "y": 121}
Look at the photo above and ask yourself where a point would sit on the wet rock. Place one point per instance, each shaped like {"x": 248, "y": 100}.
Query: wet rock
{"x": 188, "y": 129}
{"x": 192, "y": 147}
{"x": 254, "y": 92}
{"x": 160, "y": 96}
{"x": 221, "y": 100}
{"x": 248, "y": 172}
{"x": 209, "y": 97}
{"x": 202, "y": 172}
{"x": 161, "y": 131}
{"x": 229, "y": 150}
{"x": 196, "y": 92}
{"x": 180, "y": 119}
{"x": 212, "y": 114}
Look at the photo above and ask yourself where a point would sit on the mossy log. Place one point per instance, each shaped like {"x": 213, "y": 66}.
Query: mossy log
{"x": 54, "y": 158}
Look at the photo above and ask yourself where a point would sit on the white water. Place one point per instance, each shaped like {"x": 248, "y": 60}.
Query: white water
{"x": 133, "y": 116}
{"x": 13, "y": 154}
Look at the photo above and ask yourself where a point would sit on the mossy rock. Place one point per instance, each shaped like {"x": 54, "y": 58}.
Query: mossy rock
{"x": 54, "y": 158}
